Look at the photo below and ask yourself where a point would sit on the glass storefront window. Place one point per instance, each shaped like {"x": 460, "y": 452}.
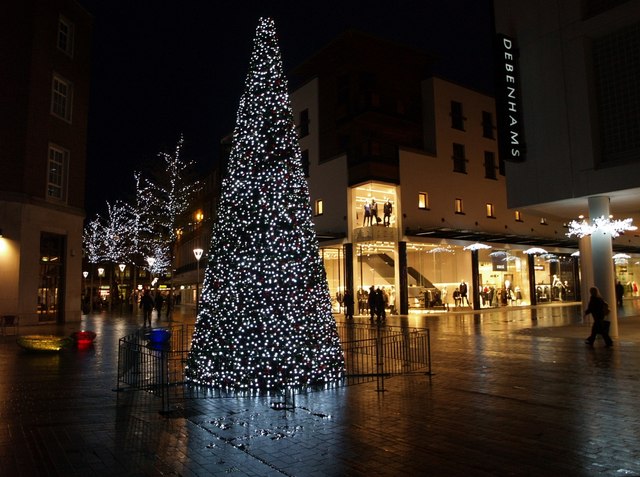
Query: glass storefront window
{"x": 435, "y": 271}
{"x": 374, "y": 204}
{"x": 503, "y": 277}
{"x": 375, "y": 267}
{"x": 628, "y": 274}
{"x": 334, "y": 266}
{"x": 555, "y": 277}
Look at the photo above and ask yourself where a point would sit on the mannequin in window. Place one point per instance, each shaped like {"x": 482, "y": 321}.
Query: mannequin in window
{"x": 367, "y": 214}
{"x": 557, "y": 288}
{"x": 463, "y": 293}
{"x": 387, "y": 209}
{"x": 374, "y": 212}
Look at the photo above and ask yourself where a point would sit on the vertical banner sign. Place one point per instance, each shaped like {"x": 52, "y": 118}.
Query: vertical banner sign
{"x": 509, "y": 101}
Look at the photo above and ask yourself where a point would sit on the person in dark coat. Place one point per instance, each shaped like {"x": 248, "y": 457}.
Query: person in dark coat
{"x": 146, "y": 303}
{"x": 372, "y": 302}
{"x": 379, "y": 304}
{"x": 159, "y": 303}
{"x": 597, "y": 309}
{"x": 619, "y": 292}
{"x": 347, "y": 300}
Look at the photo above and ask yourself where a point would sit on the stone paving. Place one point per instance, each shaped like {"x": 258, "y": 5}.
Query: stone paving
{"x": 513, "y": 393}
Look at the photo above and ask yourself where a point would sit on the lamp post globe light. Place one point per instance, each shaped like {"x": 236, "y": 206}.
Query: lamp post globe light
{"x": 197, "y": 252}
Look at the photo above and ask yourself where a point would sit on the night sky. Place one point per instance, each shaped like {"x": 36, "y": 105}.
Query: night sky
{"x": 161, "y": 68}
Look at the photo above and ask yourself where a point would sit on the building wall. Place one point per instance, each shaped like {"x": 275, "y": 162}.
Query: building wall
{"x": 328, "y": 179}
{"x": 434, "y": 174}
{"x": 31, "y": 57}
{"x": 562, "y": 121}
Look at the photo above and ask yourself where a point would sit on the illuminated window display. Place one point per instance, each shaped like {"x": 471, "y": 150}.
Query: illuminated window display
{"x": 374, "y": 204}
{"x": 375, "y": 240}
{"x": 503, "y": 277}
{"x": 333, "y": 260}
{"x": 627, "y": 268}
{"x": 435, "y": 272}
{"x": 555, "y": 277}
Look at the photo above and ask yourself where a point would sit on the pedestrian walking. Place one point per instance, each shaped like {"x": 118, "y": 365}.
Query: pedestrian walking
{"x": 146, "y": 303}
{"x": 598, "y": 309}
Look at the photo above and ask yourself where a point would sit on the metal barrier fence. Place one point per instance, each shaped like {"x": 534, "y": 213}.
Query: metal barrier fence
{"x": 154, "y": 367}
{"x": 371, "y": 352}
{"x": 377, "y": 352}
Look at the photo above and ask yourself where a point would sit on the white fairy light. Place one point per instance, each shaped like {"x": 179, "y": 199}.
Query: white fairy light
{"x": 603, "y": 224}
{"x": 477, "y": 246}
{"x": 264, "y": 319}
{"x": 441, "y": 250}
{"x": 535, "y": 251}
{"x": 618, "y": 256}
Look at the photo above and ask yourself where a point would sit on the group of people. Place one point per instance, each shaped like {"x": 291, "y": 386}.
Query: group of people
{"x": 375, "y": 301}
{"x": 148, "y": 303}
{"x": 371, "y": 213}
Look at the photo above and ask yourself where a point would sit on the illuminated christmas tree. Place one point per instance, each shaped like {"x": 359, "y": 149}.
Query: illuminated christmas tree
{"x": 265, "y": 319}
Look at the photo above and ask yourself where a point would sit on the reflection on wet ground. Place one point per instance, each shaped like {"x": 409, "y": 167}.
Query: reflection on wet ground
{"x": 513, "y": 392}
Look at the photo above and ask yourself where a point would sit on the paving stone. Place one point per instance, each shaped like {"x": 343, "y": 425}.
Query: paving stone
{"x": 510, "y": 395}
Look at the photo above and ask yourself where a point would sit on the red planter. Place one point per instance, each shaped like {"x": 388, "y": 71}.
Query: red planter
{"x": 83, "y": 337}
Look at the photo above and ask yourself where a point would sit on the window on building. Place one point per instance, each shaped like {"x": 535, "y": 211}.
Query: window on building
{"x": 457, "y": 118}
{"x": 490, "y": 211}
{"x": 66, "y": 31}
{"x": 459, "y": 209}
{"x": 61, "y": 98}
{"x": 319, "y": 207}
{"x": 487, "y": 125}
{"x": 518, "y": 216}
{"x": 489, "y": 165}
{"x": 57, "y": 173}
{"x": 305, "y": 162}
{"x": 543, "y": 221}
{"x": 423, "y": 200}
{"x": 304, "y": 123}
{"x": 459, "y": 160}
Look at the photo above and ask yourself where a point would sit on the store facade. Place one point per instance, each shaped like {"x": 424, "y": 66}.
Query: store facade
{"x": 435, "y": 271}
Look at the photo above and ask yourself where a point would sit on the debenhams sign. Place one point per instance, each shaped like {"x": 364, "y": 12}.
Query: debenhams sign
{"x": 508, "y": 102}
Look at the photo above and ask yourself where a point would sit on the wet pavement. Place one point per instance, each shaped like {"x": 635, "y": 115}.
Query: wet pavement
{"x": 513, "y": 393}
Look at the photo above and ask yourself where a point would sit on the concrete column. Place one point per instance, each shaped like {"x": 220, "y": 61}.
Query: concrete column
{"x": 402, "y": 292}
{"x": 347, "y": 250}
{"x": 531, "y": 262}
{"x": 475, "y": 280}
{"x": 601, "y": 255}
{"x": 586, "y": 269}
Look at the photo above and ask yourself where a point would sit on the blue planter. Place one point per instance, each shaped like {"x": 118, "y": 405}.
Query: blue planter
{"x": 159, "y": 335}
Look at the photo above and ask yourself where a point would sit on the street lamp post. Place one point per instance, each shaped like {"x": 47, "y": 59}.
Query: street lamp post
{"x": 197, "y": 252}
{"x": 121, "y": 266}
{"x": 85, "y": 274}
{"x": 100, "y": 275}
